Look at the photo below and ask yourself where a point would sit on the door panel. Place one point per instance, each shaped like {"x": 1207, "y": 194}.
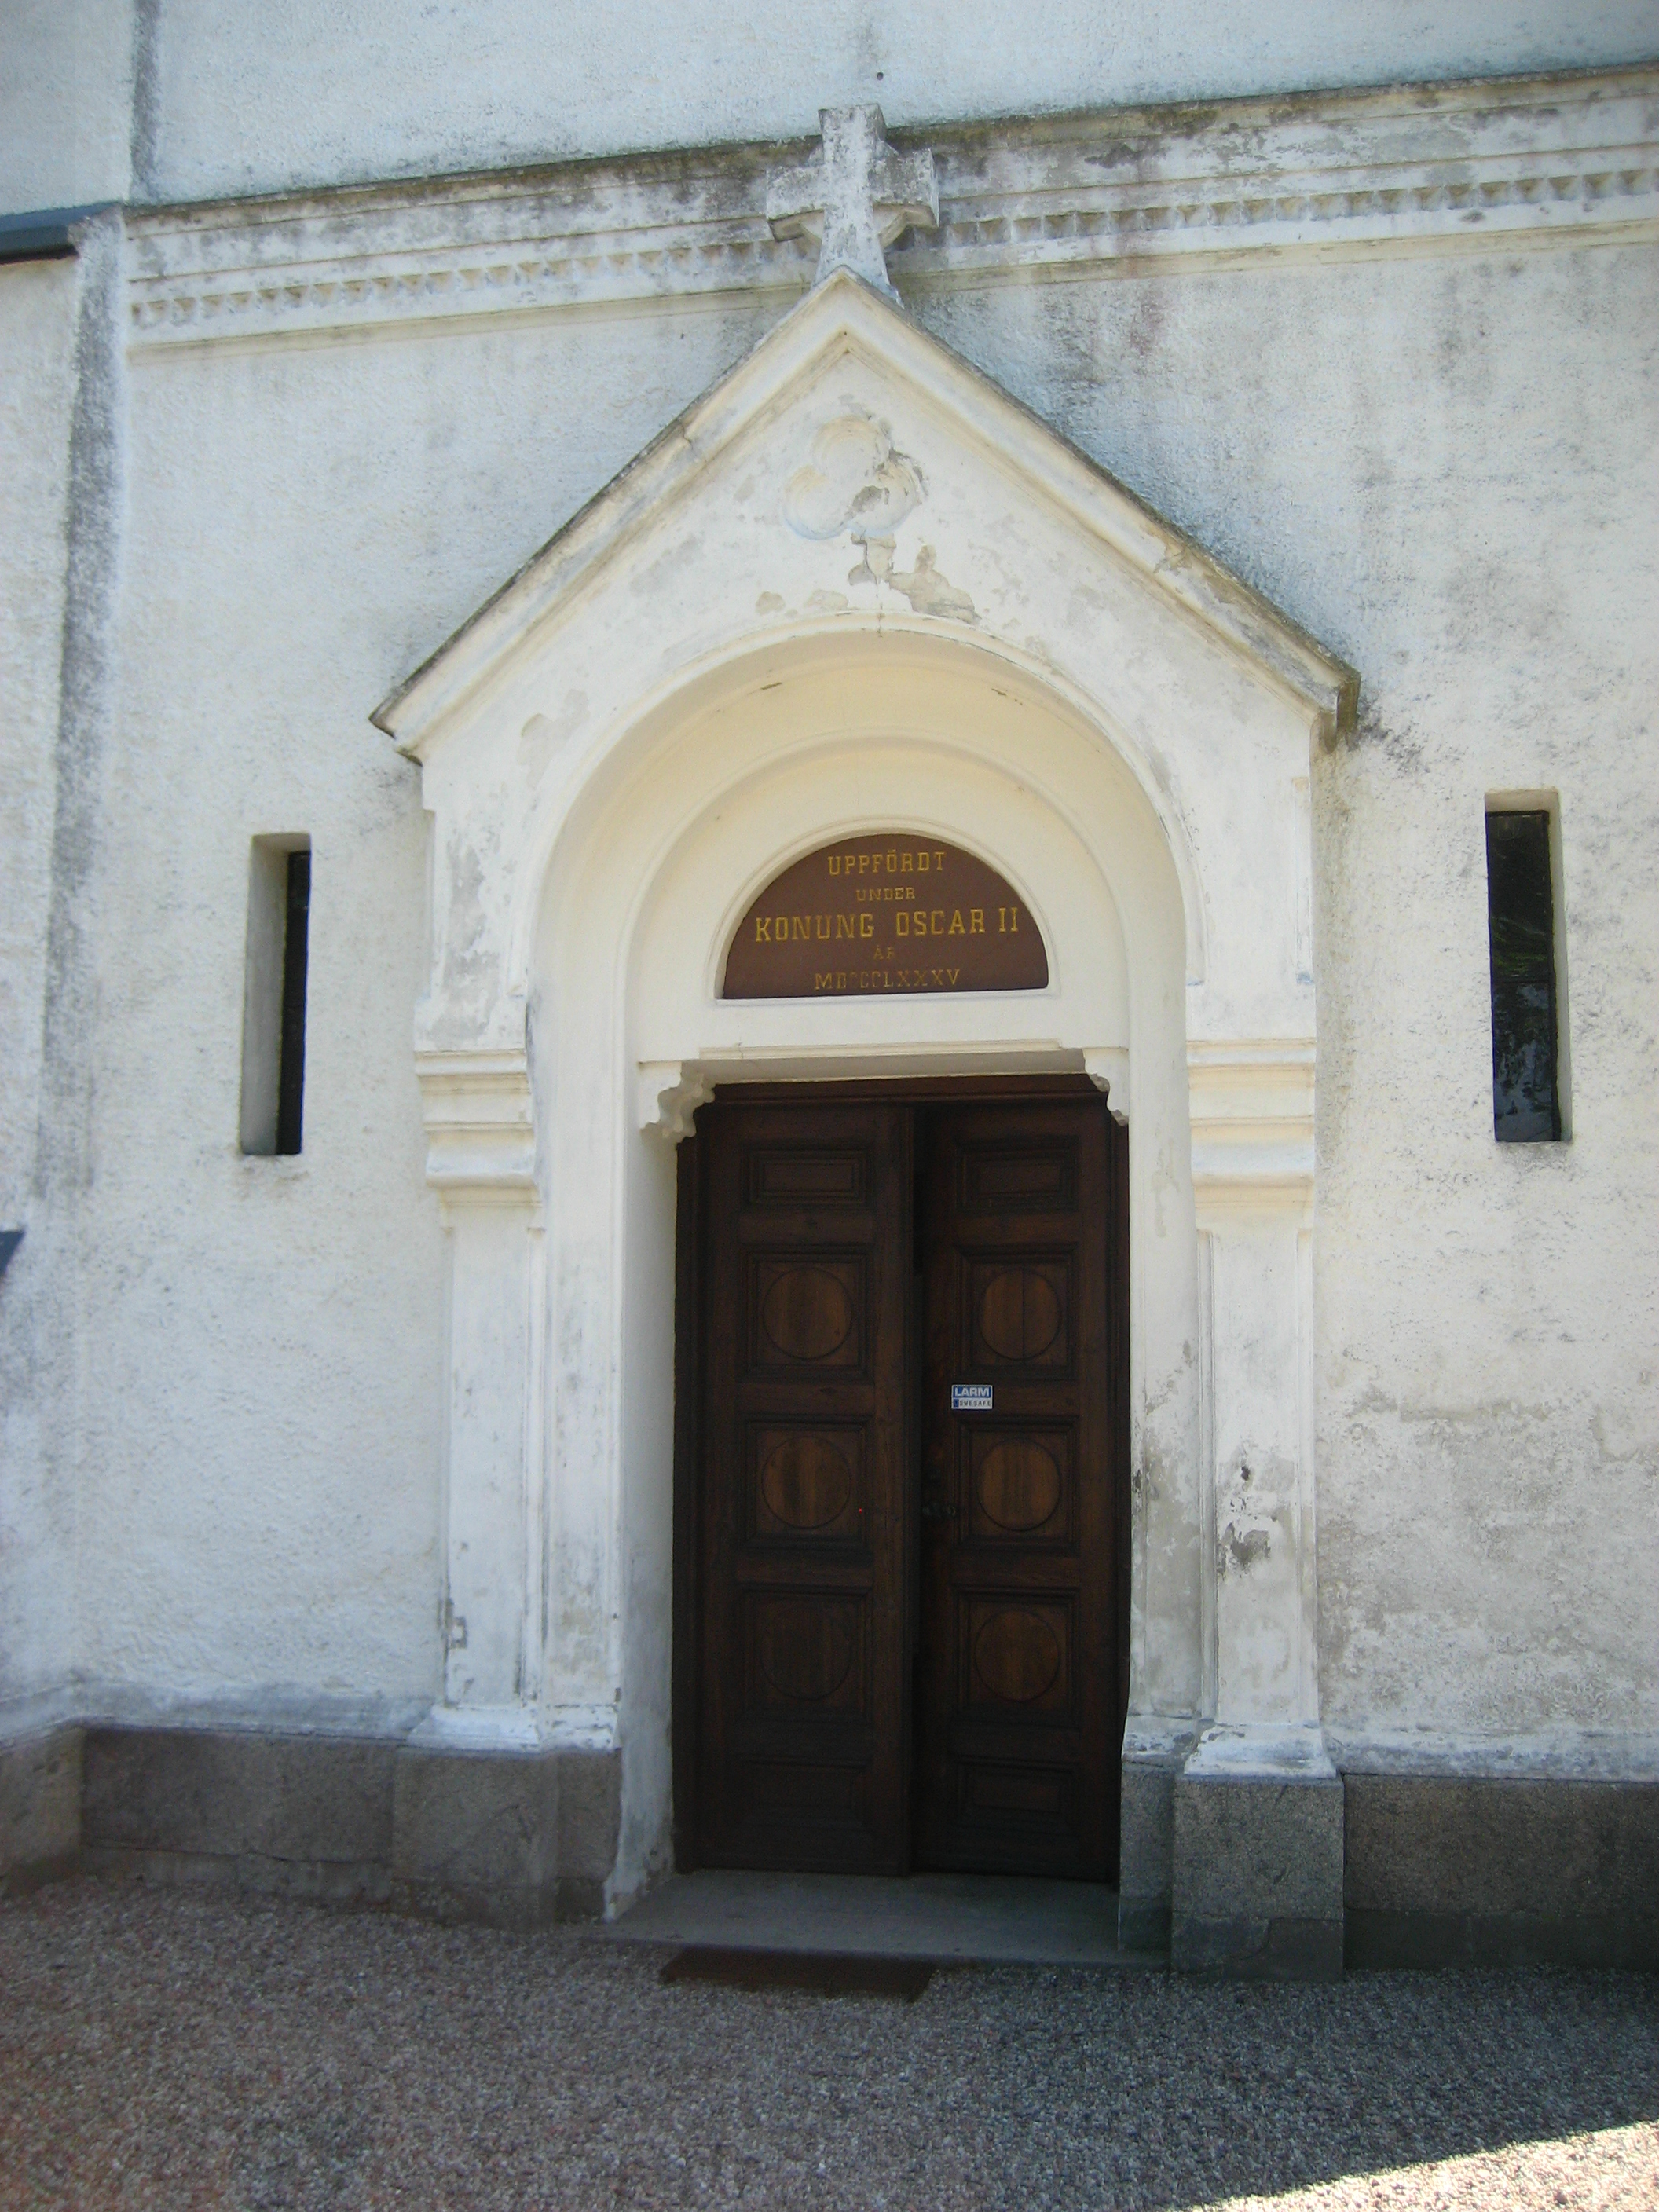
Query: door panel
{"x": 803, "y": 1736}
{"x": 903, "y": 1642}
{"x": 1017, "y": 1696}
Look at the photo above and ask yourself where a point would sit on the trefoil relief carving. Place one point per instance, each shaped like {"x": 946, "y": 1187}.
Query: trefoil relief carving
{"x": 852, "y": 481}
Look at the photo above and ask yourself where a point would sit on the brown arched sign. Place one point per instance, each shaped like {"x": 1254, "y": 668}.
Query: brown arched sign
{"x": 896, "y": 912}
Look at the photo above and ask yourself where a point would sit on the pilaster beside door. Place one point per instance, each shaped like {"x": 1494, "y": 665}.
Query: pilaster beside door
{"x": 1257, "y": 1873}
{"x": 481, "y": 1159}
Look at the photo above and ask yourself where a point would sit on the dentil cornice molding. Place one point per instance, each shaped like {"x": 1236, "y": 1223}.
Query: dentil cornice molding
{"x": 1493, "y": 166}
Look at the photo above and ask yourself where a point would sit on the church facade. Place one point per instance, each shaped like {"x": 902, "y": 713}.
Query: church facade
{"x": 829, "y": 1013}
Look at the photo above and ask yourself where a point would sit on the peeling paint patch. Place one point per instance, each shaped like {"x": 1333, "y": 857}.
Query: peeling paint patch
{"x": 770, "y": 603}
{"x": 542, "y": 736}
{"x": 1241, "y": 1549}
{"x": 466, "y": 965}
{"x": 928, "y": 591}
{"x": 931, "y": 593}
{"x": 667, "y": 566}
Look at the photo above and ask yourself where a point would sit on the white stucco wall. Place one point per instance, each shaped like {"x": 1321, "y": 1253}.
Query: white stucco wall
{"x": 38, "y": 305}
{"x": 301, "y": 524}
{"x": 1444, "y": 466}
{"x": 205, "y": 97}
{"x": 1431, "y": 466}
{"x": 66, "y": 102}
{"x": 37, "y": 363}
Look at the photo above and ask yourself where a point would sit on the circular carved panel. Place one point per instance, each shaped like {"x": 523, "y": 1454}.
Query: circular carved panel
{"x": 1017, "y": 1656}
{"x": 806, "y": 1482}
{"x": 807, "y": 1314}
{"x": 1018, "y": 1484}
{"x": 1019, "y": 1314}
{"x": 806, "y": 1651}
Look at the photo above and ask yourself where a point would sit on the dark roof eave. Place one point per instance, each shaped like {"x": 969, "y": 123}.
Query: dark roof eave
{"x": 47, "y": 233}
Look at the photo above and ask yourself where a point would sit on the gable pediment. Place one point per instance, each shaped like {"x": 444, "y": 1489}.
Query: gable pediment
{"x": 850, "y": 467}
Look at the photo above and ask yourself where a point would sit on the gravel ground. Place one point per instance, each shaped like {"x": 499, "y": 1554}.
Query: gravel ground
{"x": 180, "y": 2049}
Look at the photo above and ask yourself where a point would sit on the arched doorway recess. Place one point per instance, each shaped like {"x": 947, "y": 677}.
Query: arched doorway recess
{"x": 688, "y": 688}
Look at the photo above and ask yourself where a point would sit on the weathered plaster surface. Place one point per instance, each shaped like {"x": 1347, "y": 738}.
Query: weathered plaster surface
{"x": 241, "y": 98}
{"x": 38, "y": 313}
{"x": 276, "y": 584}
{"x": 69, "y": 98}
{"x": 51, "y": 1179}
{"x": 39, "y": 323}
{"x": 1443, "y": 468}
{"x": 1457, "y": 168}
{"x": 1433, "y": 469}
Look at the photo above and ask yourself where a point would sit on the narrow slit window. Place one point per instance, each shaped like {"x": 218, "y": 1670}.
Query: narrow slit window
{"x": 1526, "y": 1090}
{"x": 274, "y": 996}
{"x": 291, "y": 1079}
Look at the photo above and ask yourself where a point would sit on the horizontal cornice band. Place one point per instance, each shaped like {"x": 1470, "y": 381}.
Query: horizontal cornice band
{"x": 1493, "y": 165}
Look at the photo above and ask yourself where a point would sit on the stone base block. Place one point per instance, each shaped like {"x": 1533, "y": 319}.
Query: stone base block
{"x": 1143, "y": 1925}
{"x": 1444, "y": 1870}
{"x": 1146, "y": 1842}
{"x": 304, "y": 1814}
{"x": 1257, "y": 1874}
{"x": 39, "y": 1809}
{"x": 516, "y": 1839}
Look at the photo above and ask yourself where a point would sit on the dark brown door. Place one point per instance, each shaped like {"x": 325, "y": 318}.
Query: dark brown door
{"x": 805, "y": 1497}
{"x": 1017, "y": 1677}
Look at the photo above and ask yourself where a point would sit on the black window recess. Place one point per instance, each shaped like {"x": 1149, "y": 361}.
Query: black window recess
{"x": 1521, "y": 912}
{"x": 291, "y": 1081}
{"x": 274, "y": 996}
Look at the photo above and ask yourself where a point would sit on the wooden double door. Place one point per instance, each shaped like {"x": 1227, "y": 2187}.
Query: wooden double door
{"x": 903, "y": 1356}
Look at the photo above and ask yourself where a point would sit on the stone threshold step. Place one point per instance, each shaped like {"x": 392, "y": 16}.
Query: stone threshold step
{"x": 990, "y": 1919}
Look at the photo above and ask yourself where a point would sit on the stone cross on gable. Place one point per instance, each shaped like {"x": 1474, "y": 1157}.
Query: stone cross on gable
{"x": 855, "y": 195}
